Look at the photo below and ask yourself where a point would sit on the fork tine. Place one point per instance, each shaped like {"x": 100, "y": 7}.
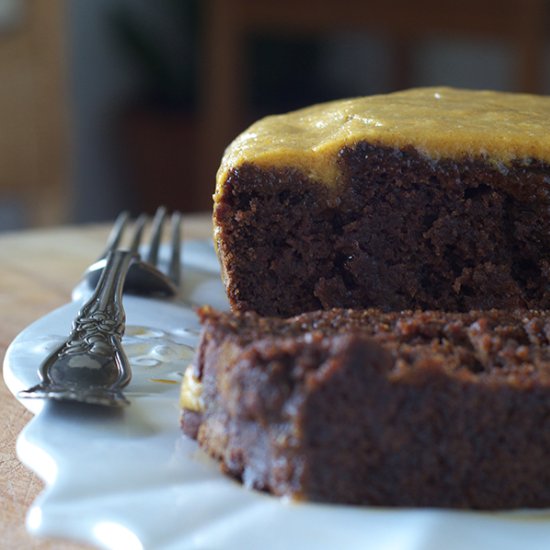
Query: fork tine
{"x": 156, "y": 234}
{"x": 115, "y": 235}
{"x": 174, "y": 269}
{"x": 138, "y": 232}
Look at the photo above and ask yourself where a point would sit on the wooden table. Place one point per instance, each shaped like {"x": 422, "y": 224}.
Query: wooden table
{"x": 37, "y": 271}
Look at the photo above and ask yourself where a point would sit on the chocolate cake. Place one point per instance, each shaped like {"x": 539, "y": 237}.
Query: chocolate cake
{"x": 369, "y": 407}
{"x": 429, "y": 198}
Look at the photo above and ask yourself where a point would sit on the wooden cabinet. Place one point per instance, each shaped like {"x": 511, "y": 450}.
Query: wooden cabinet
{"x": 33, "y": 138}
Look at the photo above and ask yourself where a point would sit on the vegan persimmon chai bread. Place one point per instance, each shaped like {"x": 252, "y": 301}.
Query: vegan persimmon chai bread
{"x": 367, "y": 407}
{"x": 431, "y": 198}
{"x": 430, "y": 208}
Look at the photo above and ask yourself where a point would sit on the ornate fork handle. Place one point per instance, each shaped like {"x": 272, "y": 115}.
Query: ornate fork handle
{"x": 91, "y": 366}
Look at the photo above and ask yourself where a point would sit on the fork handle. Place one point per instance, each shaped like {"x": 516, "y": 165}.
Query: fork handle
{"x": 91, "y": 365}
{"x": 100, "y": 324}
{"x": 107, "y": 297}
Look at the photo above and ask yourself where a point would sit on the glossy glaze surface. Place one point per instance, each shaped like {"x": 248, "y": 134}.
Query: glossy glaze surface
{"x": 438, "y": 122}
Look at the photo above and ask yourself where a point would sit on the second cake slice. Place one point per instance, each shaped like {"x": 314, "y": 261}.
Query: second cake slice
{"x": 386, "y": 409}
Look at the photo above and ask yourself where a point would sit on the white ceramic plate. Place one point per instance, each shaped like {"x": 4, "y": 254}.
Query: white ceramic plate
{"x": 129, "y": 480}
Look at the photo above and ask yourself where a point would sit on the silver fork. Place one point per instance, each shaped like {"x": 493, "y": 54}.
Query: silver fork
{"x": 144, "y": 276}
{"x": 91, "y": 366}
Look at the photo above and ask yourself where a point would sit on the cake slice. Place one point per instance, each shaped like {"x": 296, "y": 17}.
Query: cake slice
{"x": 431, "y": 198}
{"x": 385, "y": 409}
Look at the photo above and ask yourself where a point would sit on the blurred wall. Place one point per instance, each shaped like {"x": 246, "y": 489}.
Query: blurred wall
{"x": 102, "y": 81}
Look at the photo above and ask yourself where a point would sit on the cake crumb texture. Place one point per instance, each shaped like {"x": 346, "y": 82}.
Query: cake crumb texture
{"x": 402, "y": 232}
{"x": 389, "y": 409}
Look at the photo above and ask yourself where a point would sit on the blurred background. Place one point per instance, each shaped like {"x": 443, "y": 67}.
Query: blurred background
{"x": 111, "y": 104}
